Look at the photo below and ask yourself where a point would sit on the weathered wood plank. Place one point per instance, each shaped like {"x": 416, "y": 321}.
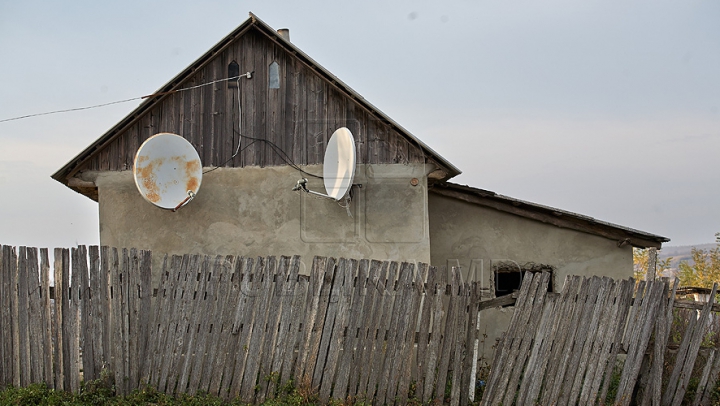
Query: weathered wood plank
{"x": 329, "y": 346}
{"x": 85, "y": 320}
{"x": 298, "y": 321}
{"x": 409, "y": 351}
{"x": 73, "y": 314}
{"x": 95, "y": 310}
{"x": 22, "y": 317}
{"x": 448, "y": 335}
{"x": 145, "y": 291}
{"x": 406, "y": 316}
{"x": 256, "y": 344}
{"x": 14, "y": 315}
{"x": 157, "y": 327}
{"x": 211, "y": 309}
{"x": 707, "y": 394}
{"x": 559, "y": 359}
{"x": 296, "y": 111}
{"x": 355, "y": 343}
{"x": 552, "y": 343}
{"x": 195, "y": 313}
{"x": 37, "y": 351}
{"x": 647, "y": 316}
{"x": 424, "y": 330}
{"x": 378, "y": 275}
{"x": 178, "y": 267}
{"x": 653, "y": 394}
{"x": 316, "y": 324}
{"x": 579, "y": 362}
{"x": 574, "y": 352}
{"x": 285, "y": 341}
{"x": 624, "y": 310}
{"x": 501, "y": 354}
{"x": 434, "y": 343}
{"x": 132, "y": 274}
{"x": 312, "y": 305}
{"x": 470, "y": 367}
{"x": 46, "y": 320}
{"x": 122, "y": 323}
{"x": 244, "y": 320}
{"x": 459, "y": 346}
{"x": 537, "y": 361}
{"x": 704, "y": 377}
{"x": 601, "y": 350}
{"x": 697, "y": 336}
{"x": 213, "y": 371}
{"x": 162, "y": 318}
{"x": 632, "y": 317}
{"x": 520, "y": 352}
{"x": 270, "y": 335}
{"x": 182, "y": 337}
{"x": 346, "y": 273}
{"x": 376, "y": 385}
{"x": 62, "y": 263}
{"x": 317, "y": 119}
{"x": 508, "y": 347}
{"x": 5, "y": 325}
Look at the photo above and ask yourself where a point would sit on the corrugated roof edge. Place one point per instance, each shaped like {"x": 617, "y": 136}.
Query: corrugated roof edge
{"x": 546, "y": 214}
{"x": 76, "y": 163}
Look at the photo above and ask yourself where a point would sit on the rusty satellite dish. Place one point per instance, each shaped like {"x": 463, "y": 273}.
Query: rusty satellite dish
{"x": 338, "y": 166}
{"x": 167, "y": 171}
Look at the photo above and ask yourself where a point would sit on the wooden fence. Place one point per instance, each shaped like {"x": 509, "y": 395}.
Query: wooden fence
{"x": 575, "y": 347}
{"x": 236, "y": 326}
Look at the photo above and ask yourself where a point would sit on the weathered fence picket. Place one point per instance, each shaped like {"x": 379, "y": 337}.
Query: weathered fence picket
{"x": 576, "y": 339}
{"x": 350, "y": 330}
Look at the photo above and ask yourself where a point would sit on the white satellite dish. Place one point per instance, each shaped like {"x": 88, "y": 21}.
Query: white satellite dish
{"x": 338, "y": 166}
{"x": 167, "y": 171}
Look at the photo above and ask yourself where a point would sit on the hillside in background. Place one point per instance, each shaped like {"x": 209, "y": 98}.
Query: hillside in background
{"x": 681, "y": 253}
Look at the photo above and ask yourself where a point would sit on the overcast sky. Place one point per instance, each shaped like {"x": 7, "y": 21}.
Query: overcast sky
{"x": 606, "y": 108}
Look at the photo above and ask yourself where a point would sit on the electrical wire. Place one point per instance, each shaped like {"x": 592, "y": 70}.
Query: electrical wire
{"x": 69, "y": 110}
{"x": 127, "y": 100}
{"x": 282, "y": 154}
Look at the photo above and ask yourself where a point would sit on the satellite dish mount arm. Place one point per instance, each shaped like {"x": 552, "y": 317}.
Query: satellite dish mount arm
{"x": 302, "y": 185}
{"x": 191, "y": 195}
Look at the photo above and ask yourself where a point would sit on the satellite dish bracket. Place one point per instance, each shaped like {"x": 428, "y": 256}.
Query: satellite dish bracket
{"x": 302, "y": 185}
{"x": 191, "y": 195}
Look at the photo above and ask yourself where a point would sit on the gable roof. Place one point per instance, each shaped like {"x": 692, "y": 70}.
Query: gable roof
{"x": 446, "y": 169}
{"x": 550, "y": 215}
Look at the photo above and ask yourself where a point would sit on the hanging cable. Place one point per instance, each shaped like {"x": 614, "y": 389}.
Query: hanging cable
{"x": 247, "y": 75}
{"x": 282, "y": 154}
{"x": 69, "y": 110}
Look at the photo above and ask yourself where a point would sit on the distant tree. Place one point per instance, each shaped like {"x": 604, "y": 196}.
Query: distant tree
{"x": 641, "y": 260}
{"x": 706, "y": 268}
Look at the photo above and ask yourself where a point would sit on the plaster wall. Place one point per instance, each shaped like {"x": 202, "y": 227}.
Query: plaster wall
{"x": 474, "y": 237}
{"x": 253, "y": 211}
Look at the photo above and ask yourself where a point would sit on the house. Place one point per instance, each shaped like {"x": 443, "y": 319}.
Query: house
{"x": 266, "y": 130}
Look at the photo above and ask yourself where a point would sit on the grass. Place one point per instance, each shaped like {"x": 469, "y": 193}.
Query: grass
{"x": 102, "y": 392}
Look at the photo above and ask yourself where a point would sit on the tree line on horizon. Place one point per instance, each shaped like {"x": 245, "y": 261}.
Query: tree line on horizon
{"x": 701, "y": 272}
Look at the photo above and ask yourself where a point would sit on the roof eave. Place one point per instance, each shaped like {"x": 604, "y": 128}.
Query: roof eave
{"x": 549, "y": 215}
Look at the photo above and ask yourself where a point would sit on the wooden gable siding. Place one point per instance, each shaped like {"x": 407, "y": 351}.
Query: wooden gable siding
{"x": 299, "y": 117}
